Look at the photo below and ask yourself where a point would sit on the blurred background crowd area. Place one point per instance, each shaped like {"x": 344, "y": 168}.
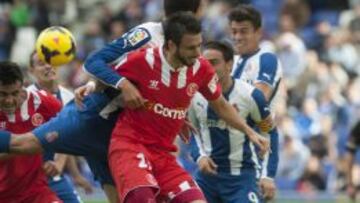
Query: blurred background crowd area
{"x": 317, "y": 41}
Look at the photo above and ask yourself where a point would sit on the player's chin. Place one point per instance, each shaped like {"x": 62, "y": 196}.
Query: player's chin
{"x": 191, "y": 62}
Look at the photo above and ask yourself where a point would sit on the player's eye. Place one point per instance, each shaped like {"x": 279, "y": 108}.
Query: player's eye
{"x": 214, "y": 62}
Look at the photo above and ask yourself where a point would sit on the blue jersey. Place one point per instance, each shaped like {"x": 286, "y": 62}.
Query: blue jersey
{"x": 230, "y": 149}
{"x": 99, "y": 63}
{"x": 64, "y": 96}
{"x": 81, "y": 132}
{"x": 59, "y": 184}
{"x": 236, "y": 157}
{"x": 263, "y": 67}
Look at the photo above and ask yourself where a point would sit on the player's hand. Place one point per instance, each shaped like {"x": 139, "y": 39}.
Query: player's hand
{"x": 260, "y": 141}
{"x": 51, "y": 169}
{"x": 186, "y": 131}
{"x": 207, "y": 165}
{"x": 83, "y": 183}
{"x": 267, "y": 188}
{"x": 131, "y": 95}
{"x": 351, "y": 192}
{"x": 83, "y": 91}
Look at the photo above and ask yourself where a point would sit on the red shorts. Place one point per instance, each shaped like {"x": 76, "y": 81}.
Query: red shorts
{"x": 43, "y": 195}
{"x": 133, "y": 165}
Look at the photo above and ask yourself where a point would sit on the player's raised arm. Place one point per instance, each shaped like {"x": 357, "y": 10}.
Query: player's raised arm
{"x": 26, "y": 143}
{"x": 98, "y": 64}
{"x": 230, "y": 116}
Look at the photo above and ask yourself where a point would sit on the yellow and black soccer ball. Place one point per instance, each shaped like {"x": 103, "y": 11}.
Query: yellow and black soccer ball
{"x": 56, "y": 46}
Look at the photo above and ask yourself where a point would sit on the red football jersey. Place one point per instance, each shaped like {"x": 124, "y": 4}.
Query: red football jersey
{"x": 168, "y": 93}
{"x": 22, "y": 175}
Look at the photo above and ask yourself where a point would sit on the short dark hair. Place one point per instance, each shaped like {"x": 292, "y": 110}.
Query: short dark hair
{"x": 173, "y": 6}
{"x": 226, "y": 50}
{"x": 179, "y": 24}
{"x": 10, "y": 73}
{"x": 246, "y": 13}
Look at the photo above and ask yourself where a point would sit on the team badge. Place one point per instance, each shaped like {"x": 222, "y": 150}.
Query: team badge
{"x": 37, "y": 119}
{"x": 51, "y": 136}
{"x": 137, "y": 36}
{"x": 191, "y": 89}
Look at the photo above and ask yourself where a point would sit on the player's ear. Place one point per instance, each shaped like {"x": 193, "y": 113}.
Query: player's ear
{"x": 171, "y": 46}
{"x": 229, "y": 65}
{"x": 259, "y": 33}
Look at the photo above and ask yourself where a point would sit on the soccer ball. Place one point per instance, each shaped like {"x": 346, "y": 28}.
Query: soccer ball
{"x": 55, "y": 46}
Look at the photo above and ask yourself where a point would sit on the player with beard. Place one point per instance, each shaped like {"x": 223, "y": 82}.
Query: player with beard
{"x": 167, "y": 77}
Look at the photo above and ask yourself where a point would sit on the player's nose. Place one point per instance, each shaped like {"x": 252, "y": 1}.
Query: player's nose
{"x": 9, "y": 101}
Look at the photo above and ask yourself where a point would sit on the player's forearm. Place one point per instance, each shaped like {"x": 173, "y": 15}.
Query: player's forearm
{"x": 60, "y": 161}
{"x": 228, "y": 113}
{"x": 97, "y": 64}
{"x": 72, "y": 167}
{"x": 24, "y": 144}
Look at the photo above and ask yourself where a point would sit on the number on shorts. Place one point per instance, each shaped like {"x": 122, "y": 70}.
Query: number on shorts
{"x": 142, "y": 163}
{"x": 253, "y": 197}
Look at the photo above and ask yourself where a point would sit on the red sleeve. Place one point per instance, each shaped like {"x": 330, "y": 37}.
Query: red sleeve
{"x": 49, "y": 106}
{"x": 210, "y": 88}
{"x": 131, "y": 66}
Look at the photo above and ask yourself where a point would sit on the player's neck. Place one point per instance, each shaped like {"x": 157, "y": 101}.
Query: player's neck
{"x": 250, "y": 52}
{"x": 50, "y": 86}
{"x": 172, "y": 60}
{"x": 226, "y": 84}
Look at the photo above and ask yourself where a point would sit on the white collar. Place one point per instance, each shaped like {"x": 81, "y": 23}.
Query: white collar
{"x": 166, "y": 63}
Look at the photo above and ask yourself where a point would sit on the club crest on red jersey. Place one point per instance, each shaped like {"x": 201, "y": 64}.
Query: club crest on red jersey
{"x": 37, "y": 119}
{"x": 191, "y": 89}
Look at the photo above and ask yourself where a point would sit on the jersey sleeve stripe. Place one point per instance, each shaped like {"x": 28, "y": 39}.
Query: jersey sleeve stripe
{"x": 268, "y": 68}
{"x": 150, "y": 58}
{"x": 261, "y": 103}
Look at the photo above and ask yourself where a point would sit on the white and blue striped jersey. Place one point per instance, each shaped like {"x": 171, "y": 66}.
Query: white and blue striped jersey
{"x": 64, "y": 95}
{"x": 230, "y": 148}
{"x": 263, "y": 67}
